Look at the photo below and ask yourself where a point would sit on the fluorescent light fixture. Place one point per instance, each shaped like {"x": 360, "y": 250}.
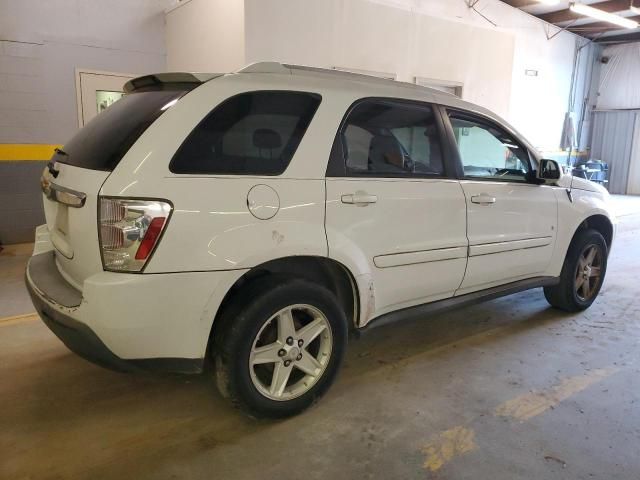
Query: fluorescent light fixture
{"x": 583, "y": 9}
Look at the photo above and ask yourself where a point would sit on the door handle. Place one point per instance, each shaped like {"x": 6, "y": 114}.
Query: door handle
{"x": 359, "y": 198}
{"x": 483, "y": 199}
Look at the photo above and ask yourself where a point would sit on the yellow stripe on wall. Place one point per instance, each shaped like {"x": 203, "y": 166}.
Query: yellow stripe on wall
{"x": 11, "y": 152}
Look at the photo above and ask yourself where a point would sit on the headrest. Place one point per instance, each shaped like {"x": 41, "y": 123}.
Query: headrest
{"x": 386, "y": 149}
{"x": 266, "y": 138}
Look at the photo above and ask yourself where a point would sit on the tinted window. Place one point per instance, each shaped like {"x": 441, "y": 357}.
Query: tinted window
{"x": 101, "y": 143}
{"x": 386, "y": 138}
{"x": 252, "y": 133}
{"x": 488, "y": 152}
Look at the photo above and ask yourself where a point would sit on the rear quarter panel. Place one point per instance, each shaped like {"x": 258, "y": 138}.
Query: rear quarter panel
{"x": 211, "y": 227}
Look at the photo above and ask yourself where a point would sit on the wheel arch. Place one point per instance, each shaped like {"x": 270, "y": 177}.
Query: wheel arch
{"x": 322, "y": 270}
{"x": 600, "y": 223}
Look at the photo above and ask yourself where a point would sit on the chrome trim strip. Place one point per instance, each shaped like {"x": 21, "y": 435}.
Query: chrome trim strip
{"x": 423, "y": 256}
{"x": 500, "y": 247}
{"x": 66, "y": 196}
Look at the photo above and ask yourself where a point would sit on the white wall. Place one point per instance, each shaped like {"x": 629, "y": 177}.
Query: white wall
{"x": 206, "y": 36}
{"x": 361, "y": 34}
{"x": 428, "y": 38}
{"x": 536, "y": 104}
{"x": 41, "y": 45}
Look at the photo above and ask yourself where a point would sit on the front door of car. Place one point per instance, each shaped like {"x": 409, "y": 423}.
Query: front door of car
{"x": 511, "y": 220}
{"x": 392, "y": 213}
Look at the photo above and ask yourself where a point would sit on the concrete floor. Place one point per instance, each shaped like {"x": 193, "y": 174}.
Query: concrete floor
{"x": 509, "y": 389}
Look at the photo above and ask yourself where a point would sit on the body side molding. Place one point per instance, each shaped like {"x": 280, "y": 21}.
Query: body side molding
{"x": 463, "y": 300}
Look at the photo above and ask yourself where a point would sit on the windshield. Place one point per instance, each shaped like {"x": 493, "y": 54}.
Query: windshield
{"x": 101, "y": 144}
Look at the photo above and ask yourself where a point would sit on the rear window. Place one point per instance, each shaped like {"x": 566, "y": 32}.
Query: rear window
{"x": 101, "y": 143}
{"x": 251, "y": 133}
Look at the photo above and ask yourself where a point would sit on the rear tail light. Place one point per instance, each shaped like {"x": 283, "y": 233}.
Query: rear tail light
{"x": 129, "y": 231}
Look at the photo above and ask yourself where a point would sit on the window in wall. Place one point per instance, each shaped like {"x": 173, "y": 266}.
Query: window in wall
{"x": 386, "y": 138}
{"x": 251, "y": 133}
{"x": 488, "y": 152}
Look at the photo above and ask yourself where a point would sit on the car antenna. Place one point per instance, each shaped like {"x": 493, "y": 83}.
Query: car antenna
{"x": 570, "y": 189}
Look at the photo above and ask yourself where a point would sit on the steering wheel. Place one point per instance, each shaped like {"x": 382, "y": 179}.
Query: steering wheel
{"x": 502, "y": 172}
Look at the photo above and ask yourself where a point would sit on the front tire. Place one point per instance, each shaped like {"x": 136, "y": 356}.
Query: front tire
{"x": 582, "y": 273}
{"x": 280, "y": 346}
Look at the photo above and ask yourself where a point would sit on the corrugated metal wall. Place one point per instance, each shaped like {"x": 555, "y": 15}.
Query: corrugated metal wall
{"x": 612, "y": 142}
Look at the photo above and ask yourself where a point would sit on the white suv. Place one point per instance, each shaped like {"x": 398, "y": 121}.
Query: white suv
{"x": 253, "y": 219}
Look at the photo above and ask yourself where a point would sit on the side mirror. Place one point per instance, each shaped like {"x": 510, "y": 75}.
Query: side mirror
{"x": 549, "y": 171}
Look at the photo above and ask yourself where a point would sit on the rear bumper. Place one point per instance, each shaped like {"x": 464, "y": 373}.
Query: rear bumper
{"x": 130, "y": 322}
{"x": 79, "y": 338}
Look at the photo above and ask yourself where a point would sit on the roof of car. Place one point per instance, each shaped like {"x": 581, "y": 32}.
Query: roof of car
{"x": 368, "y": 85}
{"x": 307, "y": 71}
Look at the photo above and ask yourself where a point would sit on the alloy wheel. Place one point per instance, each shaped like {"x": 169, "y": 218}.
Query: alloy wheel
{"x": 290, "y": 352}
{"x": 588, "y": 272}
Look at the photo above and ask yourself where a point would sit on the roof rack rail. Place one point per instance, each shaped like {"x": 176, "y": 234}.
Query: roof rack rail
{"x": 292, "y": 69}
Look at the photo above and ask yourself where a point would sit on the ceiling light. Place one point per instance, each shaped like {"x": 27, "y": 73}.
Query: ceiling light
{"x": 634, "y": 9}
{"x": 583, "y": 9}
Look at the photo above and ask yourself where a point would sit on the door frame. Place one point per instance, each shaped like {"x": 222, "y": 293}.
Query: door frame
{"x": 436, "y": 82}
{"x": 336, "y": 166}
{"x": 78, "y": 84}
{"x": 453, "y": 148}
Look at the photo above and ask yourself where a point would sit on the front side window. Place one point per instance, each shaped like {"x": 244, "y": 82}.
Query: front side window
{"x": 391, "y": 139}
{"x": 488, "y": 152}
{"x": 251, "y": 133}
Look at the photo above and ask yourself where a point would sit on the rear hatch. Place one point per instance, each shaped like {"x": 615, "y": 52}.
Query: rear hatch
{"x": 76, "y": 173}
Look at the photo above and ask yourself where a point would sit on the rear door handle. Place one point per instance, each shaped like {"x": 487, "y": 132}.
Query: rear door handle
{"x": 483, "y": 199}
{"x": 359, "y": 198}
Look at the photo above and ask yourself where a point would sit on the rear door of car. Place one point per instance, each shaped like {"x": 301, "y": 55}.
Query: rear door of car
{"x": 392, "y": 201}
{"x": 511, "y": 218}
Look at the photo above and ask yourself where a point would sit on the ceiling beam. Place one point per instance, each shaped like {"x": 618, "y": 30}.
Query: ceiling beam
{"x": 611, "y": 6}
{"x": 601, "y": 25}
{"x": 628, "y": 37}
{"x": 593, "y": 29}
{"x": 521, "y": 3}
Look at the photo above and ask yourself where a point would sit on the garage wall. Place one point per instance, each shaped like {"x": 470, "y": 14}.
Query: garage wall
{"x": 205, "y": 36}
{"x": 360, "y": 34}
{"x": 441, "y": 39}
{"x": 616, "y": 125}
{"x": 41, "y": 45}
{"x": 429, "y": 38}
{"x": 619, "y": 81}
{"x": 613, "y": 142}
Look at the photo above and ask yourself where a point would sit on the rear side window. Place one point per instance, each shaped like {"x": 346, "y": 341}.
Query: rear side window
{"x": 101, "y": 143}
{"x": 255, "y": 133}
{"x": 383, "y": 138}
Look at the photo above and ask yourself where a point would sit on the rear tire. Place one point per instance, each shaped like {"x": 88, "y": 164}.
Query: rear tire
{"x": 280, "y": 344}
{"x": 582, "y": 274}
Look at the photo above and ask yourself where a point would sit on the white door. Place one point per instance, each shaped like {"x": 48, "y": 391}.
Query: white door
{"x": 394, "y": 208}
{"x": 96, "y": 91}
{"x": 511, "y": 221}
